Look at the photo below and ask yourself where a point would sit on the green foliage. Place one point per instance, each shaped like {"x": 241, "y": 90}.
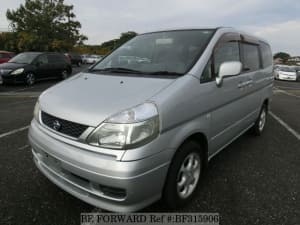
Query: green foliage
{"x": 283, "y": 55}
{"x": 106, "y": 47}
{"x": 126, "y": 37}
{"x": 8, "y": 41}
{"x": 112, "y": 44}
{"x": 45, "y": 25}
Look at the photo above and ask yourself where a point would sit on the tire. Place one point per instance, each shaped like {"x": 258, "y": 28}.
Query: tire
{"x": 65, "y": 74}
{"x": 183, "y": 176}
{"x": 260, "y": 122}
{"x": 30, "y": 79}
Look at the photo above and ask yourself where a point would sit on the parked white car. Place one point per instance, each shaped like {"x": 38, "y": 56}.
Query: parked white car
{"x": 286, "y": 73}
{"x": 91, "y": 59}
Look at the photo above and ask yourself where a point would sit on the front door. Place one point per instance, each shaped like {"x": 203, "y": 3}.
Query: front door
{"x": 226, "y": 103}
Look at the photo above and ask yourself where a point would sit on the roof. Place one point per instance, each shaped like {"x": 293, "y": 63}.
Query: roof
{"x": 221, "y": 29}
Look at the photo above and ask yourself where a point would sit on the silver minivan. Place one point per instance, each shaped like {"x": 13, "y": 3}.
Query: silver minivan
{"x": 143, "y": 123}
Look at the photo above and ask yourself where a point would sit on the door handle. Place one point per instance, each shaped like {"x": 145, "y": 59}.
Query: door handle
{"x": 241, "y": 85}
{"x": 249, "y": 83}
{"x": 245, "y": 84}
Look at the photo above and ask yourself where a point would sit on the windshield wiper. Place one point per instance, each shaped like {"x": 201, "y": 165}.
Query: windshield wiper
{"x": 117, "y": 70}
{"x": 126, "y": 70}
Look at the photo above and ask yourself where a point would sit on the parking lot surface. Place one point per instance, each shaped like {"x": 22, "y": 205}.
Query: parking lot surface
{"x": 255, "y": 180}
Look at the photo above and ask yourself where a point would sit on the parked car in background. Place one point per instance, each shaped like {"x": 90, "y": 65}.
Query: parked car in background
{"x": 91, "y": 59}
{"x": 83, "y": 57}
{"x": 29, "y": 67}
{"x": 142, "y": 130}
{"x": 288, "y": 73}
{"x": 5, "y": 56}
{"x": 298, "y": 72}
{"x": 74, "y": 58}
{"x": 275, "y": 70}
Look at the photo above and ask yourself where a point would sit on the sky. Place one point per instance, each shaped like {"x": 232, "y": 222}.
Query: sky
{"x": 277, "y": 21}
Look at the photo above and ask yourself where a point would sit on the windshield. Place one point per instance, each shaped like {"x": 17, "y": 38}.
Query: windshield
{"x": 160, "y": 53}
{"x": 24, "y": 58}
{"x": 287, "y": 69}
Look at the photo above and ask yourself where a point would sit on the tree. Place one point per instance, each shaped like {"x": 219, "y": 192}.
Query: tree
{"x": 8, "y": 41}
{"x": 45, "y": 25}
{"x": 282, "y": 55}
{"x": 112, "y": 44}
{"x": 126, "y": 37}
{"x": 106, "y": 47}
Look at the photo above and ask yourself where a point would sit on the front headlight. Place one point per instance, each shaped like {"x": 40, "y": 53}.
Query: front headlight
{"x": 128, "y": 129}
{"x": 36, "y": 111}
{"x": 17, "y": 71}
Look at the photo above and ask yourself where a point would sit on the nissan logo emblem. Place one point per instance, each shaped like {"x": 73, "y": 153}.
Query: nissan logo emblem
{"x": 56, "y": 125}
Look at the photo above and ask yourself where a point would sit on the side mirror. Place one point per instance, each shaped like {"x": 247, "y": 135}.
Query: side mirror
{"x": 228, "y": 69}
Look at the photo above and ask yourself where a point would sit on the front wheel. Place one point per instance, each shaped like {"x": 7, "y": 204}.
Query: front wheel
{"x": 260, "y": 123}
{"x": 30, "y": 79}
{"x": 184, "y": 175}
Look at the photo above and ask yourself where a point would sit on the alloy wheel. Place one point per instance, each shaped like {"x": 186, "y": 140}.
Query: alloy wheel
{"x": 30, "y": 79}
{"x": 188, "y": 175}
{"x": 262, "y": 120}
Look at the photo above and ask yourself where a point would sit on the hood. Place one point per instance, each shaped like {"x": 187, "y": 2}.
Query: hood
{"x": 89, "y": 99}
{"x": 12, "y": 66}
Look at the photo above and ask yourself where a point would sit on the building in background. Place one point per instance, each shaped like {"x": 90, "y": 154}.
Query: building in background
{"x": 294, "y": 60}
{"x": 277, "y": 61}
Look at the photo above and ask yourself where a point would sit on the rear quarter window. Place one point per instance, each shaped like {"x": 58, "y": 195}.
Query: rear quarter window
{"x": 57, "y": 58}
{"x": 266, "y": 55}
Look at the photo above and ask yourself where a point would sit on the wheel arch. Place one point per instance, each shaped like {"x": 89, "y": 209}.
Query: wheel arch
{"x": 200, "y": 138}
{"x": 197, "y": 137}
{"x": 266, "y": 103}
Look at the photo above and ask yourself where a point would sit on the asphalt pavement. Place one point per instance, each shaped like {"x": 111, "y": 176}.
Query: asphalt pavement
{"x": 255, "y": 180}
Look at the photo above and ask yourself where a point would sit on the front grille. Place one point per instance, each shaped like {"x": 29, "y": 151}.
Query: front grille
{"x": 63, "y": 126}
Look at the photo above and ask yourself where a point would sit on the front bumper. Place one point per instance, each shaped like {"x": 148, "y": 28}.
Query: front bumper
{"x": 287, "y": 77}
{"x": 13, "y": 78}
{"x": 98, "y": 179}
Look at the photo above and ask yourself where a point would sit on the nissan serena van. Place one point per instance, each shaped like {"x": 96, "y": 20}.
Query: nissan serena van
{"x": 143, "y": 123}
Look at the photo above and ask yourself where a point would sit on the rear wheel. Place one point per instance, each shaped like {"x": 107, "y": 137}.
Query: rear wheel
{"x": 260, "y": 123}
{"x": 30, "y": 79}
{"x": 184, "y": 175}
